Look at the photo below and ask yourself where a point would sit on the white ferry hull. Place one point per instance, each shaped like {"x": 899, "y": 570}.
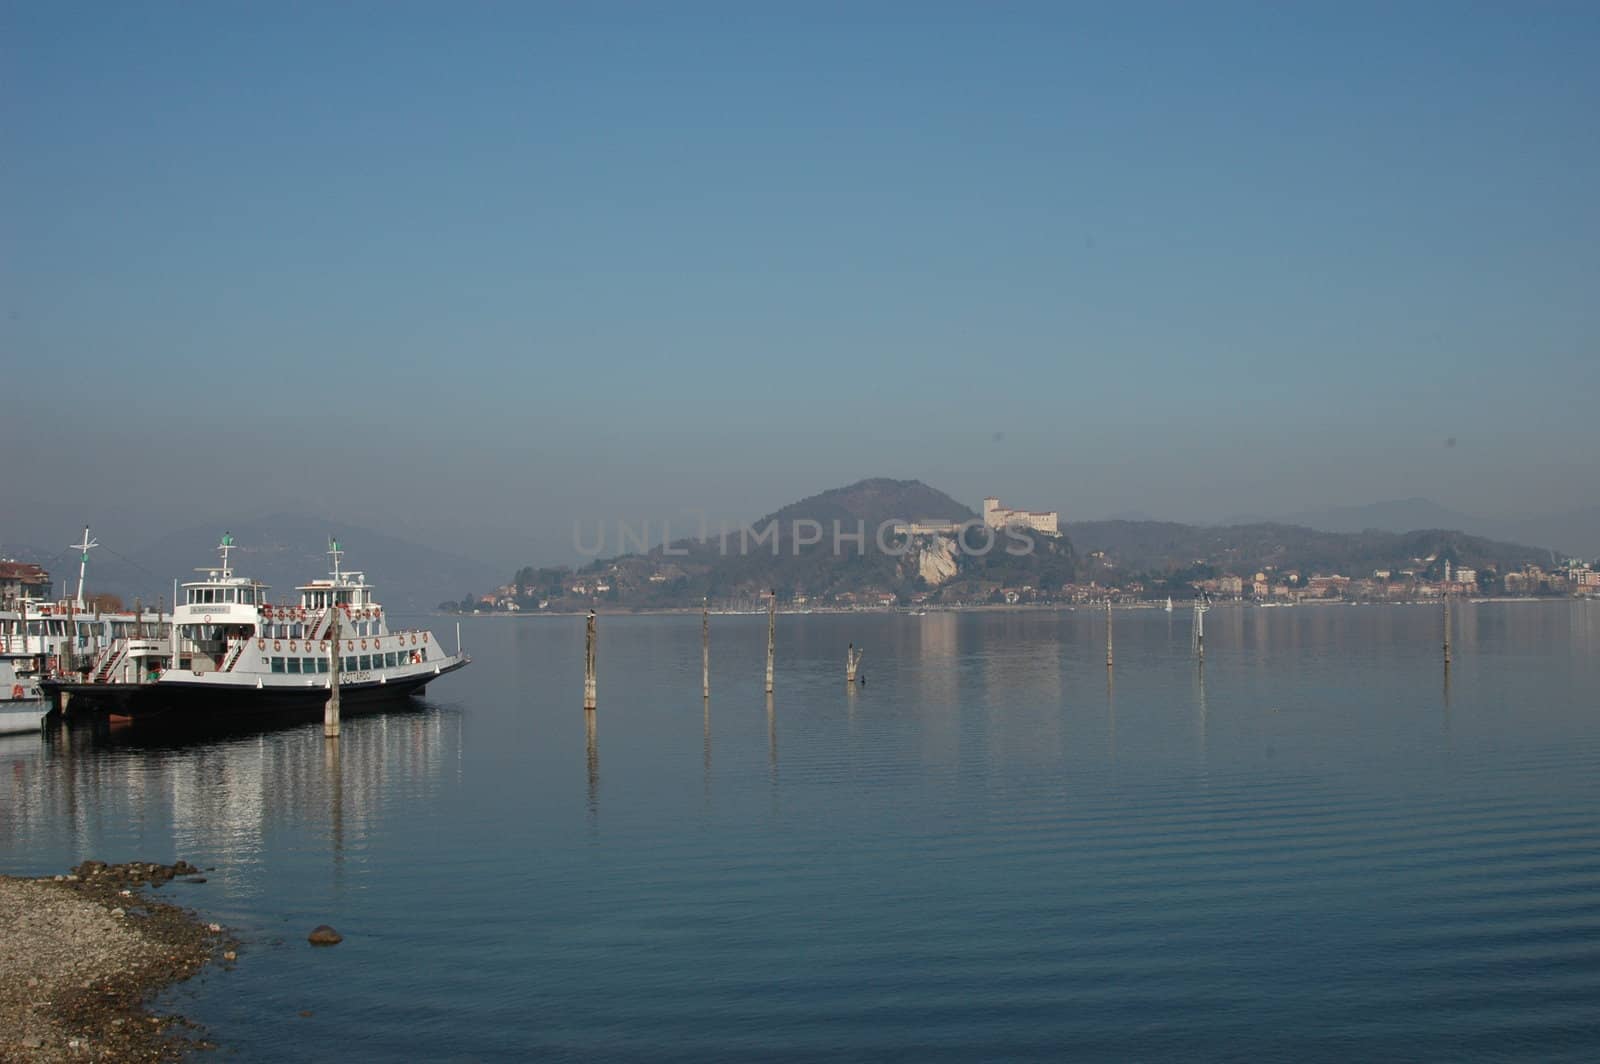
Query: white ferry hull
{"x": 212, "y": 696}
{"x": 23, "y": 715}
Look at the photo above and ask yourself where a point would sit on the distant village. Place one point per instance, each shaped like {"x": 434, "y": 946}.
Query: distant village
{"x": 1575, "y": 579}
{"x": 935, "y": 577}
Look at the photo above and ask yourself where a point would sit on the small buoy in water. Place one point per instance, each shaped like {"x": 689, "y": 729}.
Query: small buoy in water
{"x": 324, "y": 935}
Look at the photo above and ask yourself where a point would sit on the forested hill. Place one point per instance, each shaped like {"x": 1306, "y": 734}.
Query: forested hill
{"x": 1157, "y": 546}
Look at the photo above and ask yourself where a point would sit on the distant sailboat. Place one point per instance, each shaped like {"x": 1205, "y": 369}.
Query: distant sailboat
{"x": 1169, "y": 603}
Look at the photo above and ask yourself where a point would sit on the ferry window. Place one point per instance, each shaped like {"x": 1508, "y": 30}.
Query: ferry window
{"x": 424, "y": 653}
{"x": 322, "y": 664}
{"x": 294, "y": 664}
{"x": 277, "y": 664}
{"x": 388, "y": 661}
{"x": 349, "y": 664}
{"x": 366, "y": 662}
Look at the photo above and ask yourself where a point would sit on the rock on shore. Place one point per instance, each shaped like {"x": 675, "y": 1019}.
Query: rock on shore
{"x": 79, "y": 954}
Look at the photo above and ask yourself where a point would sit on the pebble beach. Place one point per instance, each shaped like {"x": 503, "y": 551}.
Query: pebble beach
{"x": 81, "y": 956}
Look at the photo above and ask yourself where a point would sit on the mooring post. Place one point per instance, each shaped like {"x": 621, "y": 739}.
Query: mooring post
{"x": 330, "y": 713}
{"x": 705, "y": 648}
{"x": 588, "y": 666}
{"x": 772, "y": 634}
{"x": 1200, "y": 630}
{"x": 1108, "y": 633}
{"x": 1447, "y": 627}
{"x": 852, "y": 661}
{"x": 69, "y": 657}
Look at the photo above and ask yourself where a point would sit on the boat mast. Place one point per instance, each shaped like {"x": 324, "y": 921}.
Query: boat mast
{"x": 83, "y": 561}
{"x": 225, "y": 546}
{"x": 336, "y": 553}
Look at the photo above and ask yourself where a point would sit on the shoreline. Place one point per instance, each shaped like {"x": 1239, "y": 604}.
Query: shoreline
{"x": 82, "y": 956}
{"x": 1141, "y": 605}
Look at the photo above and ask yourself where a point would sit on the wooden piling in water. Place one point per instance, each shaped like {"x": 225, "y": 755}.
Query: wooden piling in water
{"x": 1446, "y": 598}
{"x": 1108, "y": 633}
{"x": 705, "y": 648}
{"x": 330, "y": 712}
{"x": 852, "y": 662}
{"x": 772, "y": 634}
{"x": 589, "y": 664}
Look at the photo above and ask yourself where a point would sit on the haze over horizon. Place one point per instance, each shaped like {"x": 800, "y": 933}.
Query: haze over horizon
{"x": 468, "y": 275}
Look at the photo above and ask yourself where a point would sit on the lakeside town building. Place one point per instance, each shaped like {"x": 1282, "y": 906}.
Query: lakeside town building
{"x": 22, "y": 580}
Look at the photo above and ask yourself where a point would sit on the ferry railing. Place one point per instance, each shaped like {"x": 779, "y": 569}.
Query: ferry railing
{"x": 114, "y": 655}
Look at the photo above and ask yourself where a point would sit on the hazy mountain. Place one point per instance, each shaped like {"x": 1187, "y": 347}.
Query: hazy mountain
{"x": 872, "y": 501}
{"x": 738, "y": 569}
{"x": 1164, "y": 546}
{"x": 1576, "y": 532}
{"x": 1394, "y": 515}
{"x": 283, "y": 550}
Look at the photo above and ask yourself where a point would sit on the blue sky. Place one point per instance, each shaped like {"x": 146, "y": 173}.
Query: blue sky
{"x": 472, "y": 270}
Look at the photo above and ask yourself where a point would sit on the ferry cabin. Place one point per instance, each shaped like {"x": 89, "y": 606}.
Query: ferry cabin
{"x": 47, "y": 630}
{"x": 223, "y": 617}
{"x": 216, "y": 620}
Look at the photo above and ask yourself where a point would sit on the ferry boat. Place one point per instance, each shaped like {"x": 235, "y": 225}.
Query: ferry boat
{"x": 23, "y": 706}
{"x": 230, "y": 650}
{"x": 40, "y": 639}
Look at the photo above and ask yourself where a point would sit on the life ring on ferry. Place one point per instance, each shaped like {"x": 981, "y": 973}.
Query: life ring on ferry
{"x": 261, "y": 644}
{"x": 363, "y": 644}
{"x": 291, "y": 646}
{"x": 413, "y": 639}
{"x": 350, "y": 644}
{"x": 277, "y": 644}
{"x": 266, "y": 611}
{"x": 208, "y": 618}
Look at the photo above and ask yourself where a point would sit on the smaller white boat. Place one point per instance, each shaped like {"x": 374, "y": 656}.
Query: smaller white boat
{"x": 1169, "y": 604}
{"x": 22, "y": 705}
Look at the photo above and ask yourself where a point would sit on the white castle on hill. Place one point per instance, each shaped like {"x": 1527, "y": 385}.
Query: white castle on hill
{"x": 997, "y": 516}
{"x": 994, "y": 516}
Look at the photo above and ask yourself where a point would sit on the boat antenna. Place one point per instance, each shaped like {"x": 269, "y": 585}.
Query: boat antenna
{"x": 336, "y": 553}
{"x": 83, "y": 561}
{"x": 225, "y": 546}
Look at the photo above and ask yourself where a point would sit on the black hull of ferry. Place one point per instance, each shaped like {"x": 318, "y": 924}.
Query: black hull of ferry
{"x": 144, "y": 701}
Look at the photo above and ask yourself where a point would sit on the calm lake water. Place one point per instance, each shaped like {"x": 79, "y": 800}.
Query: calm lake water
{"x": 1316, "y": 849}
